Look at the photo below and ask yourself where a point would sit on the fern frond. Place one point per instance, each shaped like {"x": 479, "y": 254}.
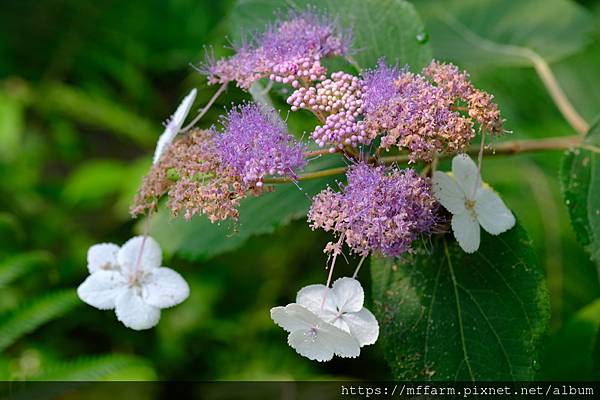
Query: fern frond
{"x": 14, "y": 267}
{"x": 97, "y": 368}
{"x": 35, "y": 313}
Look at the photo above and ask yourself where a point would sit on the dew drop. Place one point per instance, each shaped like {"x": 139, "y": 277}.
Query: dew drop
{"x": 422, "y": 37}
{"x": 535, "y": 365}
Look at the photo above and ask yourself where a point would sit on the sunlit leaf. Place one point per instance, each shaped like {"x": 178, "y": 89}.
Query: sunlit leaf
{"x": 505, "y": 32}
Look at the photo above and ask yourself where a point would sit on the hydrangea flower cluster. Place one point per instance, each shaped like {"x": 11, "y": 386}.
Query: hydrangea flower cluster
{"x": 328, "y": 321}
{"x": 421, "y": 112}
{"x": 339, "y": 99}
{"x": 378, "y": 211}
{"x": 289, "y": 51}
{"x": 197, "y": 181}
{"x": 209, "y": 172}
{"x": 256, "y": 143}
{"x": 480, "y": 105}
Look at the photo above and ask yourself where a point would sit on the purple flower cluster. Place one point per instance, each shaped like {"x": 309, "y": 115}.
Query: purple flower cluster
{"x": 256, "y": 143}
{"x": 480, "y": 105}
{"x": 197, "y": 181}
{"x": 289, "y": 51}
{"x": 413, "y": 113}
{"x": 337, "y": 101}
{"x": 379, "y": 210}
{"x": 422, "y": 112}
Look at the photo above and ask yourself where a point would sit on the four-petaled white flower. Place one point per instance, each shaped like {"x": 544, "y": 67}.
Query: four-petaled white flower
{"x": 342, "y": 307}
{"x": 174, "y": 125}
{"x": 471, "y": 202}
{"x": 312, "y": 337}
{"x": 326, "y": 322}
{"x": 131, "y": 281}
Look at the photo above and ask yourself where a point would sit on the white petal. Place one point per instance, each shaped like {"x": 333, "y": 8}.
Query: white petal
{"x": 164, "y": 288}
{"x": 312, "y": 296}
{"x": 349, "y": 294}
{"x": 293, "y": 317}
{"x": 363, "y": 326}
{"x": 130, "y": 252}
{"x": 311, "y": 345}
{"x": 102, "y": 256}
{"x": 466, "y": 231}
{"x": 448, "y": 193}
{"x": 465, "y": 172}
{"x": 102, "y": 288}
{"x": 344, "y": 345}
{"x": 134, "y": 313}
{"x": 174, "y": 125}
{"x": 492, "y": 213}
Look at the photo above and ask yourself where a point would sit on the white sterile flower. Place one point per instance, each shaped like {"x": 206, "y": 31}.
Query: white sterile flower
{"x": 312, "y": 337}
{"x": 174, "y": 125}
{"x": 471, "y": 202}
{"x": 131, "y": 281}
{"x": 343, "y": 307}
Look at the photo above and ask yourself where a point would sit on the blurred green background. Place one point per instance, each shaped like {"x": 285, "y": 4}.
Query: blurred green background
{"x": 84, "y": 88}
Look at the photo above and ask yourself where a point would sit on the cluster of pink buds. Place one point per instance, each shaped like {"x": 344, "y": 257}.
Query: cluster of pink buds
{"x": 302, "y": 69}
{"x": 338, "y": 103}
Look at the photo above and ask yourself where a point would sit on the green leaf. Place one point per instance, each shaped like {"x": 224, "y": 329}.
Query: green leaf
{"x": 580, "y": 176}
{"x": 14, "y": 267}
{"x": 94, "y": 183}
{"x": 380, "y": 28}
{"x": 199, "y": 239}
{"x": 32, "y": 315}
{"x": 448, "y": 315}
{"x": 105, "y": 367}
{"x": 570, "y": 353}
{"x": 505, "y": 32}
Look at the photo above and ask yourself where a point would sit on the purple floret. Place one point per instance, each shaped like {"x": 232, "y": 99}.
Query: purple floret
{"x": 379, "y": 210}
{"x": 256, "y": 144}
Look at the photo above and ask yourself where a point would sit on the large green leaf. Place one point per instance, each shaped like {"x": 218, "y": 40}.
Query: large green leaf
{"x": 448, "y": 315}
{"x": 572, "y": 353}
{"x": 380, "y": 28}
{"x": 199, "y": 239}
{"x": 580, "y": 174}
{"x": 505, "y": 32}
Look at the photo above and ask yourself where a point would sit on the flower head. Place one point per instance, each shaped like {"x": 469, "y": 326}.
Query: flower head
{"x": 311, "y": 336}
{"x": 481, "y": 106}
{"x": 342, "y": 306}
{"x": 196, "y": 179}
{"x": 131, "y": 281}
{"x": 471, "y": 203}
{"x": 174, "y": 125}
{"x": 255, "y": 143}
{"x": 288, "y": 51}
{"x": 378, "y": 210}
{"x": 413, "y": 114}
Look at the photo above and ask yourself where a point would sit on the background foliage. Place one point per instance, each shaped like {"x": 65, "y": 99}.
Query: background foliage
{"x": 84, "y": 87}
